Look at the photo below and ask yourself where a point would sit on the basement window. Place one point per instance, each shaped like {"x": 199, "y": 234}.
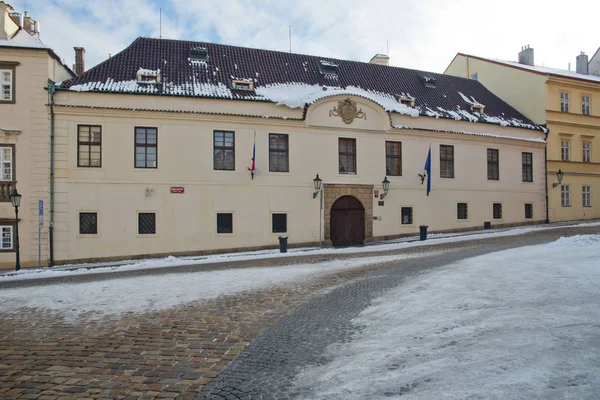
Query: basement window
{"x": 242, "y": 85}
{"x": 328, "y": 68}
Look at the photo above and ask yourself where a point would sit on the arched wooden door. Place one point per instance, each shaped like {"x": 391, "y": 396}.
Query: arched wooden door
{"x": 347, "y": 222}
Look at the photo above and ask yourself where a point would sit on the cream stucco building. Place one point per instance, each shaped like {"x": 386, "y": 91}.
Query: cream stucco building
{"x": 154, "y": 149}
{"x": 568, "y": 103}
{"x": 26, "y": 65}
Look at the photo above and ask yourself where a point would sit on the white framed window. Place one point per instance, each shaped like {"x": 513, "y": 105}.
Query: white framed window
{"x": 6, "y": 164}
{"x": 6, "y": 84}
{"x": 7, "y": 237}
{"x": 565, "y": 150}
{"x": 586, "y": 195}
{"x": 565, "y": 195}
{"x": 587, "y": 151}
{"x": 585, "y": 105}
{"x": 564, "y": 102}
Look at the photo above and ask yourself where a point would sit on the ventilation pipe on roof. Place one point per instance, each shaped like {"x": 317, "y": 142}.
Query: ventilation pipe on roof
{"x": 79, "y": 60}
{"x": 526, "y": 56}
{"x": 582, "y": 63}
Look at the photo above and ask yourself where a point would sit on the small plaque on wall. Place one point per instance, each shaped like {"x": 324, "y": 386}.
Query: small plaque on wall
{"x": 380, "y": 203}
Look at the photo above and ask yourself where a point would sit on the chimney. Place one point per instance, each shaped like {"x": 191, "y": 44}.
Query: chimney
{"x": 28, "y": 23}
{"x": 380, "y": 59}
{"x": 582, "y": 63}
{"x": 79, "y": 60}
{"x": 16, "y": 17}
{"x": 526, "y": 56}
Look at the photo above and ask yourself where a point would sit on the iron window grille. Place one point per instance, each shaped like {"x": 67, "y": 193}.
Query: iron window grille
{"x": 393, "y": 158}
{"x": 586, "y": 195}
{"x": 585, "y": 105}
{"x": 279, "y": 223}
{"x": 347, "y": 154}
{"x": 565, "y": 150}
{"x": 528, "y": 211}
{"x": 88, "y": 223}
{"x": 527, "y": 161}
{"x": 89, "y": 146}
{"x": 407, "y": 215}
{"x": 278, "y": 152}
{"x": 462, "y": 211}
{"x": 7, "y": 237}
{"x": 497, "y": 211}
{"x": 224, "y": 223}
{"x": 446, "y": 161}
{"x": 224, "y": 151}
{"x": 565, "y": 195}
{"x": 146, "y": 146}
{"x": 493, "y": 165}
{"x": 564, "y": 102}
{"x": 146, "y": 223}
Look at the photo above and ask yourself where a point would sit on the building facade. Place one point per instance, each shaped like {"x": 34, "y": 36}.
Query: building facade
{"x": 568, "y": 102}
{"x": 174, "y": 147}
{"x": 26, "y": 65}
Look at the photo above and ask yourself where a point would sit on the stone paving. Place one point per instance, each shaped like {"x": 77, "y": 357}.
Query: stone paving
{"x": 175, "y": 353}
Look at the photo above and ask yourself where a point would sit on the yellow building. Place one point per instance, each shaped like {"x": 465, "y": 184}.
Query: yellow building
{"x": 26, "y": 65}
{"x": 568, "y": 102}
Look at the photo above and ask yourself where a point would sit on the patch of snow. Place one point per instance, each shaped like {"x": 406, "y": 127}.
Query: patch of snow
{"x": 158, "y": 292}
{"x": 471, "y": 101}
{"x": 328, "y": 64}
{"x": 467, "y": 115}
{"x": 148, "y": 72}
{"x": 23, "y": 39}
{"x": 297, "y": 95}
{"x": 520, "y": 323}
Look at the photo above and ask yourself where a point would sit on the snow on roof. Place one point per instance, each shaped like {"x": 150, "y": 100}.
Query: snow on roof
{"x": 491, "y": 135}
{"x": 24, "y": 40}
{"x": 148, "y": 72}
{"x": 544, "y": 70}
{"x": 471, "y": 101}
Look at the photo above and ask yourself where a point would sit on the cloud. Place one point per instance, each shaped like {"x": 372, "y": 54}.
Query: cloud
{"x": 421, "y": 34}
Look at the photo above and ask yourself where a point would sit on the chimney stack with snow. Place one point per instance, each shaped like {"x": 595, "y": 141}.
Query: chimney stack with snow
{"x": 526, "y": 56}
{"x": 380, "y": 59}
{"x": 582, "y": 63}
{"x": 79, "y": 60}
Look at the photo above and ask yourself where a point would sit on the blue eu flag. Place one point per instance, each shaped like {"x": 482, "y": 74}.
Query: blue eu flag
{"x": 428, "y": 171}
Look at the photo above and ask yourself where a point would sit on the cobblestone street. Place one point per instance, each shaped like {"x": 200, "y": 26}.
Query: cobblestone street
{"x": 178, "y": 352}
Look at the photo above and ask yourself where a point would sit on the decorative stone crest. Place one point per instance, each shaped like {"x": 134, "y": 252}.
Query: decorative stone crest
{"x": 348, "y": 111}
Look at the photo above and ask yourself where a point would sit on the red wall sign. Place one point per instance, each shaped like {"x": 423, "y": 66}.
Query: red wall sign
{"x": 177, "y": 189}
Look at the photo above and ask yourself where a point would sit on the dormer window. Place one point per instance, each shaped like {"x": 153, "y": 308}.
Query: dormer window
{"x": 237, "y": 84}
{"x": 478, "y": 108}
{"x": 328, "y": 68}
{"x": 429, "y": 81}
{"x": 199, "y": 54}
{"x": 407, "y": 101}
{"x": 148, "y": 76}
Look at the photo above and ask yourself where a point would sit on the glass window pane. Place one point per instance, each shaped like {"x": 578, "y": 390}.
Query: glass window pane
{"x": 151, "y": 136}
{"x": 219, "y": 139}
{"x": 140, "y": 138}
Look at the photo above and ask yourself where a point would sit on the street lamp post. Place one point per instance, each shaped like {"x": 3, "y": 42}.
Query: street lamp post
{"x": 15, "y": 199}
{"x": 319, "y": 191}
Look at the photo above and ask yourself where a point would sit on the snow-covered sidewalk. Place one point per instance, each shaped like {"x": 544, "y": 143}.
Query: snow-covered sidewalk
{"x": 516, "y": 324}
{"x": 405, "y": 243}
{"x": 157, "y": 292}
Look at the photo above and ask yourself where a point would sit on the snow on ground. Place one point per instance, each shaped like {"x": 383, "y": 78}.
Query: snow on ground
{"x": 517, "y": 324}
{"x": 156, "y": 292}
{"x": 171, "y": 261}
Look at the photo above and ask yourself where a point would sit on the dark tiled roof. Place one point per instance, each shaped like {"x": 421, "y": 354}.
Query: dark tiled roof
{"x": 182, "y": 77}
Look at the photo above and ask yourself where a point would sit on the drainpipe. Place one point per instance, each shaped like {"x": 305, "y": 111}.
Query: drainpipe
{"x": 546, "y": 174}
{"x": 51, "y": 92}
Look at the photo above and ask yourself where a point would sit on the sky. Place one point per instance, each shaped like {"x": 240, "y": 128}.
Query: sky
{"x": 423, "y": 34}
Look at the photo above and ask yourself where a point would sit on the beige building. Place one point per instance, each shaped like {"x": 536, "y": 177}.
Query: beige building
{"x": 26, "y": 65}
{"x": 154, "y": 153}
{"x": 568, "y": 103}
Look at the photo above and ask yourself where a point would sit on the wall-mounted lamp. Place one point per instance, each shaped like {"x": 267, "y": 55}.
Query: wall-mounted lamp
{"x": 559, "y": 176}
{"x": 317, "y": 182}
{"x": 386, "y": 187}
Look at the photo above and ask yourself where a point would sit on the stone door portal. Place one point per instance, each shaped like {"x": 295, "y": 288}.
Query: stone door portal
{"x": 347, "y": 222}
